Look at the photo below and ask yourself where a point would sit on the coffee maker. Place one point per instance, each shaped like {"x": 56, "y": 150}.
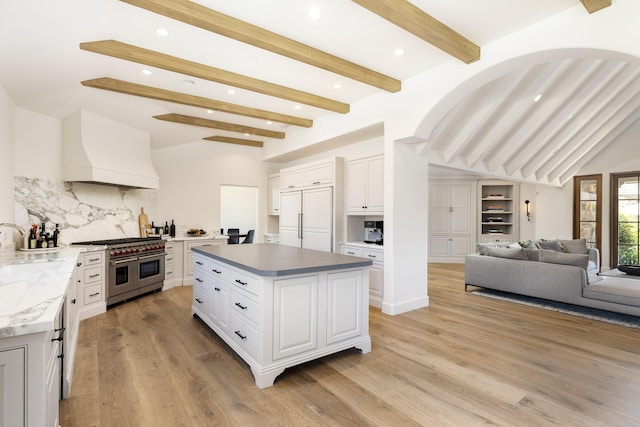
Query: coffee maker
{"x": 373, "y": 232}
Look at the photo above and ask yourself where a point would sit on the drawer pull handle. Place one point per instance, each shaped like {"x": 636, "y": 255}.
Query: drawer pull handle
{"x": 207, "y": 244}
{"x": 91, "y": 276}
{"x": 94, "y": 259}
{"x": 351, "y": 253}
{"x": 168, "y": 272}
{"x": 216, "y": 271}
{"x": 316, "y": 182}
{"x": 199, "y": 300}
{"x": 199, "y": 263}
{"x": 60, "y": 338}
{"x": 78, "y": 264}
{"x": 198, "y": 279}
{"x": 240, "y": 335}
{"x": 244, "y": 307}
{"x": 94, "y": 295}
{"x": 217, "y": 289}
{"x": 371, "y": 256}
{"x": 73, "y": 301}
{"x": 241, "y": 282}
{"x": 169, "y": 259}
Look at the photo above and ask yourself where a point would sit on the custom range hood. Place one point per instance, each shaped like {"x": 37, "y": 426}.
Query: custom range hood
{"x": 100, "y": 150}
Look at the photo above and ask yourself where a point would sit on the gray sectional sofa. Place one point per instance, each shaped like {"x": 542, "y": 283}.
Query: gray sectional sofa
{"x": 567, "y": 273}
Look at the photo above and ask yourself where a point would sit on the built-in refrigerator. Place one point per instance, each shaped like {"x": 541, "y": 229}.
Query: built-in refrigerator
{"x": 306, "y": 218}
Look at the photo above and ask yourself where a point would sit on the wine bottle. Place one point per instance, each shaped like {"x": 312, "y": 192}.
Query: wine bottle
{"x": 56, "y": 236}
{"x": 172, "y": 229}
{"x": 166, "y": 227}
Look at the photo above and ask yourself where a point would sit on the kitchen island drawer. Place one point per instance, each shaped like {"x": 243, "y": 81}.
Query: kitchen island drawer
{"x": 93, "y": 274}
{"x": 245, "y": 306}
{"x": 245, "y": 335}
{"x": 217, "y": 270}
{"x": 244, "y": 281}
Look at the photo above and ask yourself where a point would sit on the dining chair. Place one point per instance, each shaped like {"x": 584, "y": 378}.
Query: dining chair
{"x": 233, "y": 240}
{"x": 249, "y": 238}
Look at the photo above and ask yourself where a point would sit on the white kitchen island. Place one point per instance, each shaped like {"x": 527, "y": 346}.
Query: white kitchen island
{"x": 279, "y": 306}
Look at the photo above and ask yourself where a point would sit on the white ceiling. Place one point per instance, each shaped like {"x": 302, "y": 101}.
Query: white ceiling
{"x": 42, "y": 67}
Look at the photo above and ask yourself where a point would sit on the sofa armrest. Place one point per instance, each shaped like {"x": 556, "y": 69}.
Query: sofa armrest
{"x": 594, "y": 261}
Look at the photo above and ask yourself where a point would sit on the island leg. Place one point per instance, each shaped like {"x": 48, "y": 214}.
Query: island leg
{"x": 364, "y": 346}
{"x": 266, "y": 379}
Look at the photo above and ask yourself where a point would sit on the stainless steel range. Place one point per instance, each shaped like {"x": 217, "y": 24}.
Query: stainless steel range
{"x": 134, "y": 266}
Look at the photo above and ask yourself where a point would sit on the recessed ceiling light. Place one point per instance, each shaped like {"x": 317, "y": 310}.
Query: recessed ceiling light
{"x": 162, "y": 32}
{"x": 297, "y": 107}
{"x": 269, "y": 122}
{"x": 337, "y": 85}
{"x": 398, "y": 52}
{"x": 246, "y": 134}
{"x": 210, "y": 111}
{"x": 146, "y": 72}
{"x": 314, "y": 12}
{"x": 189, "y": 82}
{"x": 231, "y": 91}
{"x": 537, "y": 98}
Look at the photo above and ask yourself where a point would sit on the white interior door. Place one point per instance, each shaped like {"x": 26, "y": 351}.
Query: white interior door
{"x": 317, "y": 219}
{"x": 290, "y": 211}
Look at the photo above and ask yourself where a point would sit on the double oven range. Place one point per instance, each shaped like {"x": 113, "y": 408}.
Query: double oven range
{"x": 135, "y": 266}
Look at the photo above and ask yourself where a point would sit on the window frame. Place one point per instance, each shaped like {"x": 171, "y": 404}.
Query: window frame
{"x": 613, "y": 208}
{"x": 577, "y": 180}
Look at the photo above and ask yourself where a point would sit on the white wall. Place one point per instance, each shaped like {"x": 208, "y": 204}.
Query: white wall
{"x": 6, "y": 166}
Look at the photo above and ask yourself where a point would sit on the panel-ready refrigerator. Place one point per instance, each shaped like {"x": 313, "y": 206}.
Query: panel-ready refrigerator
{"x": 306, "y": 218}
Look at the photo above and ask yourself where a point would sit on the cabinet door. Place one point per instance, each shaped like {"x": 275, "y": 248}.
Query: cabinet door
{"x": 12, "y": 387}
{"x": 317, "y": 219}
{"x": 356, "y": 186}
{"x": 273, "y": 201}
{"x": 295, "y": 316}
{"x": 375, "y": 184}
{"x": 219, "y": 304}
{"x": 318, "y": 175}
{"x": 291, "y": 180}
{"x": 376, "y": 279}
{"x": 460, "y": 246}
{"x": 290, "y": 211}
{"x": 344, "y": 305}
{"x": 460, "y": 200}
{"x": 439, "y": 245}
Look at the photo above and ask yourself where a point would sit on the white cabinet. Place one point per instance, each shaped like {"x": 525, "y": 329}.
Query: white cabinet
{"x": 275, "y": 322}
{"x": 173, "y": 264}
{"x": 497, "y": 206}
{"x": 450, "y": 220}
{"x": 12, "y": 387}
{"x": 365, "y": 185}
{"x": 90, "y": 281}
{"x": 273, "y": 194}
{"x": 376, "y": 271}
{"x": 187, "y": 262}
{"x": 308, "y": 175}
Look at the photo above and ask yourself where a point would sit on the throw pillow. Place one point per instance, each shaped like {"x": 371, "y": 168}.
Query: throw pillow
{"x": 528, "y": 244}
{"x": 551, "y": 245}
{"x": 510, "y": 253}
{"x": 555, "y": 257}
{"x": 532, "y": 254}
{"x": 576, "y": 246}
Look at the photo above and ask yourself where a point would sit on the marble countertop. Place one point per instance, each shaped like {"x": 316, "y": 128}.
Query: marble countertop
{"x": 32, "y": 289}
{"x": 266, "y": 259}
{"x": 205, "y": 237}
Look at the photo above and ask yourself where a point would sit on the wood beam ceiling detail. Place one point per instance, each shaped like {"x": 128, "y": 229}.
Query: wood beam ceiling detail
{"x": 239, "y": 141}
{"x": 129, "y": 88}
{"x": 412, "y": 19}
{"x": 214, "y": 124}
{"x": 152, "y": 58}
{"x": 595, "y": 5}
{"x": 211, "y": 20}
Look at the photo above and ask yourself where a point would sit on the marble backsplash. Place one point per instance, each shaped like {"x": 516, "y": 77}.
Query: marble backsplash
{"x": 84, "y": 211}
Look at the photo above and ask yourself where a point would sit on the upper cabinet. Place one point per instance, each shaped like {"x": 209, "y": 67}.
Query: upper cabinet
{"x": 273, "y": 189}
{"x": 498, "y": 206}
{"x": 307, "y": 176}
{"x": 365, "y": 186}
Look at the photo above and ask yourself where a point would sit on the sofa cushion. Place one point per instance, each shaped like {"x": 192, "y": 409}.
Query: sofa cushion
{"x": 576, "y": 246}
{"x": 510, "y": 253}
{"x": 532, "y": 254}
{"x": 552, "y": 245}
{"x": 614, "y": 289}
{"x": 483, "y": 248}
{"x": 555, "y": 257}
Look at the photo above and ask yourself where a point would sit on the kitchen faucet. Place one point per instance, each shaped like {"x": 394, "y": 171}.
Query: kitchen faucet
{"x": 20, "y": 230}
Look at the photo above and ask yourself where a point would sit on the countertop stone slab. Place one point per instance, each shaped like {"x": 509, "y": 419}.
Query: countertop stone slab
{"x": 32, "y": 288}
{"x": 266, "y": 259}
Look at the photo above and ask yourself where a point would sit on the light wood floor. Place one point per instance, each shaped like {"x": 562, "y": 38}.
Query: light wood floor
{"x": 463, "y": 361}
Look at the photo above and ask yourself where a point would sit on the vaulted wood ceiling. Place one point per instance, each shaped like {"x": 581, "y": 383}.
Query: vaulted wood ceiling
{"x": 254, "y": 53}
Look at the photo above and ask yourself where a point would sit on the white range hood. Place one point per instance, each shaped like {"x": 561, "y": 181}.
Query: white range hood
{"x": 97, "y": 149}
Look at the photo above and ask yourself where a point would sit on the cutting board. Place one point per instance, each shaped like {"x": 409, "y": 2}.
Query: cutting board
{"x": 143, "y": 220}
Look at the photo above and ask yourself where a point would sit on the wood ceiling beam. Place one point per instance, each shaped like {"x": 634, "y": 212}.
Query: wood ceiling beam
{"x": 214, "y": 124}
{"x": 129, "y": 88}
{"x": 152, "y": 58}
{"x": 219, "y": 23}
{"x": 414, "y": 20}
{"x": 239, "y": 141}
{"x": 595, "y": 5}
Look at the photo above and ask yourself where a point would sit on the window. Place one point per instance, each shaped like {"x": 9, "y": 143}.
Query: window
{"x": 625, "y": 218}
{"x": 587, "y": 209}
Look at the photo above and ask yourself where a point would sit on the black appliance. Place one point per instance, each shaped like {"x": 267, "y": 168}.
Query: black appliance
{"x": 135, "y": 266}
{"x": 373, "y": 232}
